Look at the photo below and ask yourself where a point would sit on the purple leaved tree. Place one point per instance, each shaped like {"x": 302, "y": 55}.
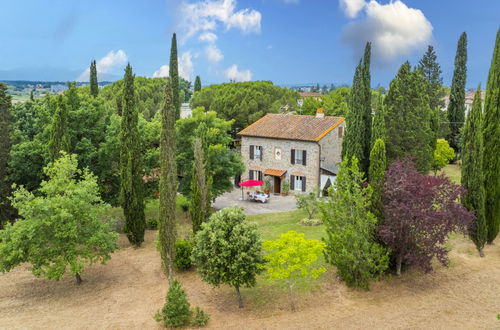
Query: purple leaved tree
{"x": 419, "y": 213}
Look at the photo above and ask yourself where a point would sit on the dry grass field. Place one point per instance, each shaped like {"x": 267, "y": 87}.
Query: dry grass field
{"x": 125, "y": 293}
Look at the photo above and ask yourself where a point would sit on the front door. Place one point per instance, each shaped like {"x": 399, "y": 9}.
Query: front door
{"x": 277, "y": 185}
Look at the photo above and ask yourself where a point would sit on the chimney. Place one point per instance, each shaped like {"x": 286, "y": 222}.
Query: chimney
{"x": 320, "y": 113}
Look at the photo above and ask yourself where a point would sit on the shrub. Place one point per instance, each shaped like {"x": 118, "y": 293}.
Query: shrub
{"x": 152, "y": 224}
{"x": 183, "y": 250}
{"x": 200, "y": 318}
{"x": 311, "y": 222}
{"x": 183, "y": 203}
{"x": 175, "y": 312}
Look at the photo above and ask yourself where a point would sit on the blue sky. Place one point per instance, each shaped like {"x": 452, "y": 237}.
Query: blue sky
{"x": 286, "y": 41}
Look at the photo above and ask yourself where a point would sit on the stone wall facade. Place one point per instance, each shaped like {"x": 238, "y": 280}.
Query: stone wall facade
{"x": 325, "y": 152}
{"x": 331, "y": 147}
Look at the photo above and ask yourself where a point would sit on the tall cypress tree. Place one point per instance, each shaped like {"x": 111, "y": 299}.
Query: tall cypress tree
{"x": 378, "y": 165}
{"x": 472, "y": 171}
{"x": 131, "y": 184}
{"x": 199, "y": 191}
{"x": 367, "y": 107}
{"x": 378, "y": 128}
{"x": 353, "y": 142}
{"x": 174, "y": 77}
{"x": 408, "y": 118}
{"x": 492, "y": 145}
{"x": 456, "y": 107}
{"x": 168, "y": 182}
{"x": 357, "y": 140}
{"x": 197, "y": 84}
{"x": 59, "y": 137}
{"x": 6, "y": 210}
{"x": 432, "y": 74}
{"x": 94, "y": 86}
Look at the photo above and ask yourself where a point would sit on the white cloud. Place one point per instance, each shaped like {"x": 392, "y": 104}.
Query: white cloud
{"x": 213, "y": 53}
{"x": 351, "y": 8}
{"x": 162, "y": 72}
{"x": 106, "y": 64}
{"x": 206, "y": 15}
{"x": 233, "y": 74}
{"x": 185, "y": 63}
{"x": 186, "y": 66}
{"x": 394, "y": 29}
{"x": 208, "y": 37}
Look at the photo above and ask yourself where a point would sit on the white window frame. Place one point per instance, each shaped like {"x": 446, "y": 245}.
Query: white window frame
{"x": 257, "y": 152}
{"x": 298, "y": 183}
{"x": 299, "y": 161}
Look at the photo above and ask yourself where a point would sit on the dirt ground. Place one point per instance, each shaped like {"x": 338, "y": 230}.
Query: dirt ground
{"x": 125, "y": 293}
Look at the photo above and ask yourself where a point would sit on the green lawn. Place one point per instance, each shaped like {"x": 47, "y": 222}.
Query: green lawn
{"x": 453, "y": 172}
{"x": 271, "y": 225}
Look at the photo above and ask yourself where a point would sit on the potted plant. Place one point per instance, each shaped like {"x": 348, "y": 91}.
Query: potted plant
{"x": 285, "y": 188}
{"x": 267, "y": 186}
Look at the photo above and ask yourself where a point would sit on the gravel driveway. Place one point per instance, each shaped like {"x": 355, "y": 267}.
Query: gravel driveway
{"x": 275, "y": 203}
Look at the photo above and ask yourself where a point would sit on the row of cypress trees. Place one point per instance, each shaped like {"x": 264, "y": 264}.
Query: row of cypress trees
{"x": 407, "y": 123}
{"x": 481, "y": 158}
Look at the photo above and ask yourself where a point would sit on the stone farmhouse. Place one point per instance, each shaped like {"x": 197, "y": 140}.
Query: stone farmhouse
{"x": 301, "y": 150}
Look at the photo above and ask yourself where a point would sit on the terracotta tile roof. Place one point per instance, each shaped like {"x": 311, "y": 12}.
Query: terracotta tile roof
{"x": 274, "y": 172}
{"x": 292, "y": 127}
{"x": 310, "y": 94}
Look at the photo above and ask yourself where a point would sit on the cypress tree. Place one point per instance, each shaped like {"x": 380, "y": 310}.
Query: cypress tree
{"x": 367, "y": 108}
{"x": 199, "y": 192}
{"x": 197, "y": 84}
{"x": 378, "y": 130}
{"x": 168, "y": 182}
{"x": 492, "y": 145}
{"x": 131, "y": 184}
{"x": 408, "y": 119}
{"x": 357, "y": 140}
{"x": 94, "y": 86}
{"x": 378, "y": 165}
{"x": 174, "y": 77}
{"x": 352, "y": 144}
{"x": 456, "y": 107}
{"x": 432, "y": 74}
{"x": 6, "y": 210}
{"x": 472, "y": 171}
{"x": 59, "y": 137}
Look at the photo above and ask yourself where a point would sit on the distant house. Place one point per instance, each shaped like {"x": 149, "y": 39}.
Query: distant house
{"x": 469, "y": 97}
{"x": 301, "y": 150}
{"x": 303, "y": 95}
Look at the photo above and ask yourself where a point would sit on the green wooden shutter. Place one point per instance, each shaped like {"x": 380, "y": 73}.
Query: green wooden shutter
{"x": 251, "y": 152}
{"x": 292, "y": 182}
{"x": 303, "y": 183}
{"x": 293, "y": 156}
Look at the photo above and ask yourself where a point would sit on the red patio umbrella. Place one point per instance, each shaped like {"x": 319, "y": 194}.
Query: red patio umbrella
{"x": 249, "y": 183}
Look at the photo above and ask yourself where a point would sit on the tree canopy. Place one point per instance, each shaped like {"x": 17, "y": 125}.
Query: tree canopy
{"x": 408, "y": 118}
{"x": 60, "y": 227}
{"x": 420, "y": 211}
{"x": 227, "y": 250}
{"x": 222, "y": 163}
{"x": 245, "y": 102}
